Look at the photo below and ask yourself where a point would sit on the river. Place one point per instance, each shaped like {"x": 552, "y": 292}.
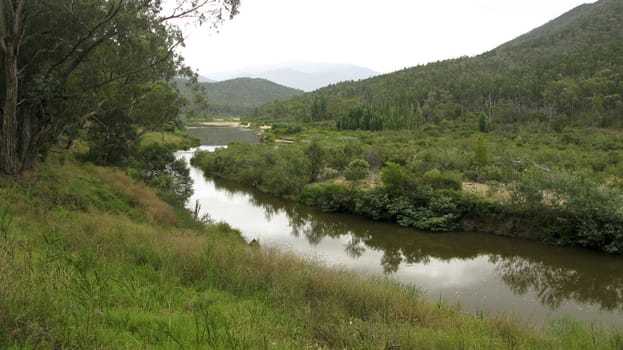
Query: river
{"x": 483, "y": 273}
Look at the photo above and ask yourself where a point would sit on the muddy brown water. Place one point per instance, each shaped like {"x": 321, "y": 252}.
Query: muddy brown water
{"x": 484, "y": 274}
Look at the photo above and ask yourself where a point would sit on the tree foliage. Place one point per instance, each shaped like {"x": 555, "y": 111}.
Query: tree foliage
{"x": 100, "y": 67}
{"x": 394, "y": 178}
{"x": 156, "y": 166}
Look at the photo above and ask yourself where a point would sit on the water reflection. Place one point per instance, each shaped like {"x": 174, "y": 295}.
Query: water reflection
{"x": 556, "y": 283}
{"x": 355, "y": 247}
{"x": 554, "y": 275}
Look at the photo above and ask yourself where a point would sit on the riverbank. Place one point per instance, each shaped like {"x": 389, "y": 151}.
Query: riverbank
{"x": 99, "y": 261}
{"x": 419, "y": 189}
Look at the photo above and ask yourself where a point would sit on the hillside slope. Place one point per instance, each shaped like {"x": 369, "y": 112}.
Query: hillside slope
{"x": 244, "y": 93}
{"x": 579, "y": 29}
{"x": 568, "y": 71}
{"x": 236, "y": 96}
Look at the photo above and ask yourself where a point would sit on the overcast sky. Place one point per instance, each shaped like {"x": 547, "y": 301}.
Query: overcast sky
{"x": 384, "y": 35}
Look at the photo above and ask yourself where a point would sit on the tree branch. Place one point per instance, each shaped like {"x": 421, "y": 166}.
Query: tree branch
{"x": 5, "y": 14}
{"x": 18, "y": 26}
{"x": 185, "y": 13}
{"x": 112, "y": 13}
{"x": 136, "y": 71}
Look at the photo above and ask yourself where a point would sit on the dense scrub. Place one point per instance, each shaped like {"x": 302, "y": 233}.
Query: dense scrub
{"x": 549, "y": 184}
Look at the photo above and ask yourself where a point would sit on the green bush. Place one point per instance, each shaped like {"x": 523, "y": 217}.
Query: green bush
{"x": 481, "y": 152}
{"x": 442, "y": 181}
{"x": 356, "y": 170}
{"x": 329, "y": 198}
{"x": 282, "y": 170}
{"x": 394, "y": 178}
{"x": 577, "y": 210}
{"x": 287, "y": 128}
{"x": 374, "y": 204}
{"x": 486, "y": 173}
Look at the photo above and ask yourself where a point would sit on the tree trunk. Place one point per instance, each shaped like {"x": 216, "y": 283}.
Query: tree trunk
{"x": 9, "y": 118}
{"x": 11, "y": 35}
{"x": 24, "y": 131}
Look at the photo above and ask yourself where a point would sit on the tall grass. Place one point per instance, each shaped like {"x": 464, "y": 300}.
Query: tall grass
{"x": 76, "y": 271}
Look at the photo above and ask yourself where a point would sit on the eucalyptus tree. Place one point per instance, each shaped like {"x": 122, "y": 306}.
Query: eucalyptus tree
{"x": 74, "y": 65}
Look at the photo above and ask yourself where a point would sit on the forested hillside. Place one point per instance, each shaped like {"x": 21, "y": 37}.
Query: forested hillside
{"x": 244, "y": 95}
{"x": 567, "y": 72}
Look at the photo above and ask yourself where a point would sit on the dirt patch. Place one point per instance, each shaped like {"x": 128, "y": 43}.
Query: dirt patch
{"x": 498, "y": 193}
{"x": 476, "y": 188}
{"x": 372, "y": 181}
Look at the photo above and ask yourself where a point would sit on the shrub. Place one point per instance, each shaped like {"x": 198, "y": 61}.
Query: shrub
{"x": 481, "y": 152}
{"x": 356, "y": 170}
{"x": 559, "y": 122}
{"x": 287, "y": 128}
{"x": 440, "y": 181}
{"x": 484, "y": 124}
{"x": 374, "y": 204}
{"x": 486, "y": 173}
{"x": 394, "y": 178}
{"x": 315, "y": 152}
{"x": 329, "y": 198}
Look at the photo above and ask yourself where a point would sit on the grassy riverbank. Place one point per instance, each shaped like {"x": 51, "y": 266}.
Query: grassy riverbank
{"x": 91, "y": 259}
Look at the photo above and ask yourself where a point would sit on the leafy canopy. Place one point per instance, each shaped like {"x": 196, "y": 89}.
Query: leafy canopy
{"x": 92, "y": 69}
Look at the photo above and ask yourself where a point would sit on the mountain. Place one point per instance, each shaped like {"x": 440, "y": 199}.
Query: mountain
{"x": 576, "y": 30}
{"x": 237, "y": 96}
{"x": 307, "y": 76}
{"x": 566, "y": 72}
{"x": 203, "y": 79}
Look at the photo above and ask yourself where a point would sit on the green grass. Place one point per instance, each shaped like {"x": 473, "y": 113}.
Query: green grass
{"x": 88, "y": 275}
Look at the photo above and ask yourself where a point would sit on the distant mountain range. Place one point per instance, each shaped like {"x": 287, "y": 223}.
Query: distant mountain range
{"x": 203, "y": 79}
{"x": 306, "y": 76}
